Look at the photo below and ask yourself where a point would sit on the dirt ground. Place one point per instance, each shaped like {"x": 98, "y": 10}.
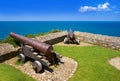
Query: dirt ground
{"x": 115, "y": 62}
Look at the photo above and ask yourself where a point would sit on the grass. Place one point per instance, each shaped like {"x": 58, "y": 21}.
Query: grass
{"x": 9, "y": 73}
{"x": 19, "y": 63}
{"x": 92, "y": 63}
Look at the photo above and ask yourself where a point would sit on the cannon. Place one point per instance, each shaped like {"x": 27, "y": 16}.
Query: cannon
{"x": 42, "y": 53}
{"x": 71, "y": 38}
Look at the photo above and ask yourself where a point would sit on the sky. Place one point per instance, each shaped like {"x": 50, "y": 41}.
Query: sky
{"x": 59, "y": 10}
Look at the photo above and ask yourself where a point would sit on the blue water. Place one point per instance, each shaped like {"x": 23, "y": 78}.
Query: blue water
{"x": 34, "y": 27}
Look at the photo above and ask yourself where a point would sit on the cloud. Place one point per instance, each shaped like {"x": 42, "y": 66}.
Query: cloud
{"x": 87, "y": 8}
{"x": 103, "y": 6}
{"x": 100, "y": 7}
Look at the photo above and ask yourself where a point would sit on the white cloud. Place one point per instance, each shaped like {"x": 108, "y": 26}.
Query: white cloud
{"x": 87, "y": 8}
{"x": 100, "y": 7}
{"x": 103, "y": 6}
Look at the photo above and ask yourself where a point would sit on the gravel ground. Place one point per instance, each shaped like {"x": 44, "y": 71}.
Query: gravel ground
{"x": 61, "y": 73}
{"x": 115, "y": 62}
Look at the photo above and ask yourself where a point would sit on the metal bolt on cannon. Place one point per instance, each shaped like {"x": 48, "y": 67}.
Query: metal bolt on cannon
{"x": 71, "y": 38}
{"x": 42, "y": 53}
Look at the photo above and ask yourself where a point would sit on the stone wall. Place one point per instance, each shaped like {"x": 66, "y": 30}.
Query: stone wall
{"x": 52, "y": 38}
{"x": 7, "y": 51}
{"x": 102, "y": 40}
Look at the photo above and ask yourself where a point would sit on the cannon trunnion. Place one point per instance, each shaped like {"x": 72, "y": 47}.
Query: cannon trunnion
{"x": 71, "y": 38}
{"x": 42, "y": 53}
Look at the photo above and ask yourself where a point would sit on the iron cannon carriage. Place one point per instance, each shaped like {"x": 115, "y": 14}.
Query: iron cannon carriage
{"x": 71, "y": 38}
{"x": 42, "y": 53}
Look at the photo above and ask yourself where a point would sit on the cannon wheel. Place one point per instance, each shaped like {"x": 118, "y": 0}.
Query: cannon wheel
{"x": 37, "y": 66}
{"x": 21, "y": 57}
{"x": 77, "y": 41}
{"x": 65, "y": 40}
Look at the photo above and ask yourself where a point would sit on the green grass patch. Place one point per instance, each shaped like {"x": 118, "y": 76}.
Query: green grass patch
{"x": 92, "y": 63}
{"x": 9, "y": 73}
{"x": 19, "y": 62}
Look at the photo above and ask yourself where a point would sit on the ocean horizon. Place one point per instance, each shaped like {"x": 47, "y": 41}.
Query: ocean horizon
{"x": 110, "y": 28}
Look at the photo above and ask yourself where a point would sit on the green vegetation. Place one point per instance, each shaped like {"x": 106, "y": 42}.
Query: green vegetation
{"x": 1, "y": 41}
{"x": 34, "y": 35}
{"x": 92, "y": 63}
{"x": 41, "y": 34}
{"x": 10, "y": 40}
{"x": 19, "y": 62}
{"x": 15, "y": 43}
{"x": 9, "y": 73}
{"x": 54, "y": 31}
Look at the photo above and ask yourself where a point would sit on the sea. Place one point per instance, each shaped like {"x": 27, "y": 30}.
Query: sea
{"x": 110, "y": 28}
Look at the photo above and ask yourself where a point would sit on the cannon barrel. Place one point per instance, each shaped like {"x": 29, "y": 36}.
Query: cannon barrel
{"x": 71, "y": 34}
{"x": 71, "y": 38}
{"x": 40, "y": 46}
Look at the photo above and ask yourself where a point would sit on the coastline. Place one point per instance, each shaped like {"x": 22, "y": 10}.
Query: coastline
{"x": 110, "y": 28}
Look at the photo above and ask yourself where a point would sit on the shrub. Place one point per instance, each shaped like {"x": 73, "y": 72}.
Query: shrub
{"x": 30, "y": 35}
{"x": 11, "y": 40}
{"x": 54, "y": 31}
{"x": 34, "y": 35}
{"x": 1, "y": 41}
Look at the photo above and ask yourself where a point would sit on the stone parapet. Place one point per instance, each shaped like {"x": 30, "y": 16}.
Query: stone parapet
{"x": 102, "y": 40}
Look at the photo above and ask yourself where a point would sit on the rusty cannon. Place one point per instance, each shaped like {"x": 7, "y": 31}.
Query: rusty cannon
{"x": 71, "y": 38}
{"x": 41, "y": 53}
